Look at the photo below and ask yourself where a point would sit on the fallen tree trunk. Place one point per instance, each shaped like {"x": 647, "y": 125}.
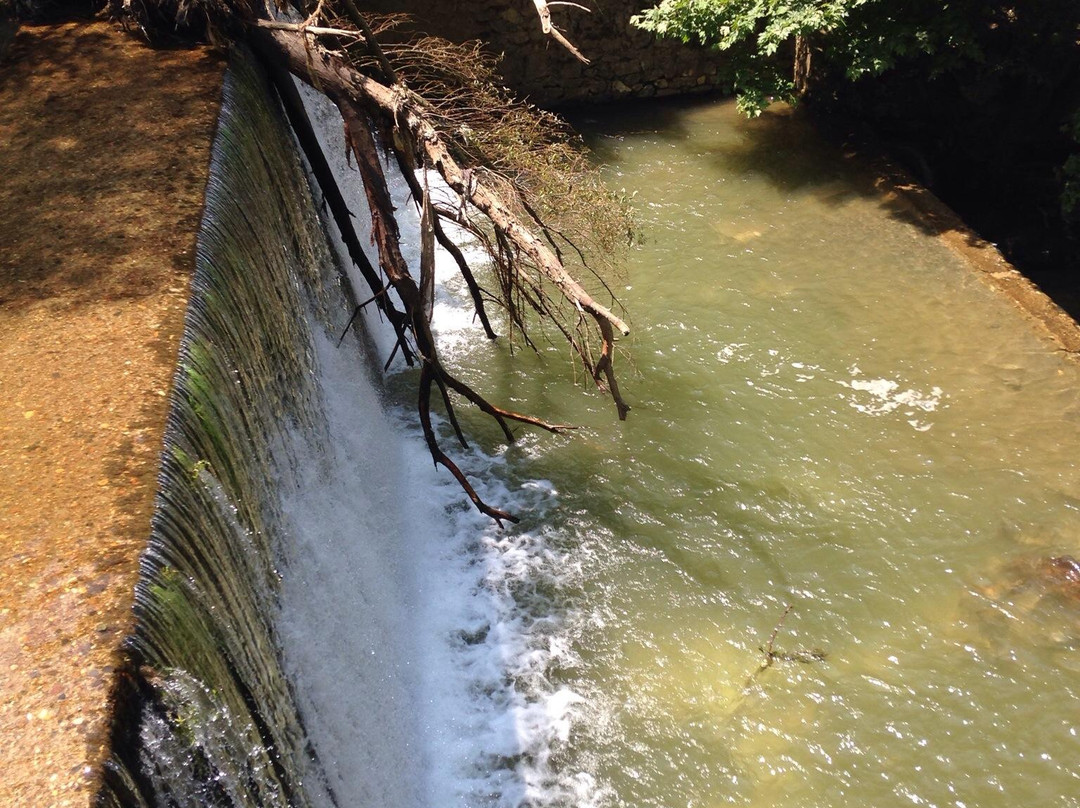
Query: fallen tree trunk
{"x": 528, "y": 262}
{"x": 339, "y": 210}
{"x": 353, "y": 92}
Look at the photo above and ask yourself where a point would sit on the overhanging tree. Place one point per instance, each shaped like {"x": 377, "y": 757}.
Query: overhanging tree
{"x": 512, "y": 176}
{"x": 778, "y": 47}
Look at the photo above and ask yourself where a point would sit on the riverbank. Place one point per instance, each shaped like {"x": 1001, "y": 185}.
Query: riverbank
{"x": 876, "y": 173}
{"x": 911, "y": 200}
{"x": 104, "y": 147}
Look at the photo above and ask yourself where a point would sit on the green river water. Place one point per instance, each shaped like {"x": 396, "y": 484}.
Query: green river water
{"x": 831, "y": 412}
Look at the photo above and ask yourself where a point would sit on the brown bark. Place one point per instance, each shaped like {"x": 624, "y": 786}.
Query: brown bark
{"x": 305, "y": 135}
{"x": 802, "y": 64}
{"x": 475, "y": 291}
{"x": 364, "y": 103}
{"x": 346, "y": 85}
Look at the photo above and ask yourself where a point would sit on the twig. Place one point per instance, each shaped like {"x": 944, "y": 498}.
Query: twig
{"x": 558, "y": 36}
{"x": 374, "y": 48}
{"x": 315, "y": 30}
{"x": 771, "y": 655}
{"x": 549, "y": 29}
{"x": 356, "y": 311}
{"x": 768, "y": 650}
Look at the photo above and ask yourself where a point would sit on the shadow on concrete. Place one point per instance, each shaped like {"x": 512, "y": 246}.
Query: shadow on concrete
{"x": 102, "y": 162}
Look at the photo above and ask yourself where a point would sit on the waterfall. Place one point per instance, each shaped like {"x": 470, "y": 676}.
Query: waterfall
{"x": 205, "y": 714}
{"x": 852, "y": 426}
{"x": 321, "y": 619}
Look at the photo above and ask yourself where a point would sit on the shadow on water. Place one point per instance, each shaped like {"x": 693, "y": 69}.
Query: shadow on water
{"x": 784, "y": 146}
{"x": 604, "y": 126}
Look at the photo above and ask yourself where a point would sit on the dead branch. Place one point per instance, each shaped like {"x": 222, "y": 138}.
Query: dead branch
{"x": 299, "y": 27}
{"x": 447, "y": 244}
{"x": 548, "y": 27}
{"x": 350, "y": 88}
{"x": 358, "y": 19}
{"x": 356, "y": 313}
{"x": 353, "y": 91}
{"x": 506, "y": 182}
{"x": 324, "y": 175}
{"x": 440, "y": 457}
{"x": 413, "y": 297}
{"x": 771, "y": 655}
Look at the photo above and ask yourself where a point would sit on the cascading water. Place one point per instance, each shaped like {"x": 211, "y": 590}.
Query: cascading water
{"x": 210, "y": 680}
{"x": 321, "y": 620}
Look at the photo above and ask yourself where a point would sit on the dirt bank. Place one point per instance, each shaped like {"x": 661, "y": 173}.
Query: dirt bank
{"x": 104, "y": 146}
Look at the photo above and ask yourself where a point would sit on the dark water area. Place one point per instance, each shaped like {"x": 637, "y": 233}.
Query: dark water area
{"x": 991, "y": 139}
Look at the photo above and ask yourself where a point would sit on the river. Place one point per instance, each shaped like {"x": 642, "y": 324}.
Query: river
{"x": 843, "y": 448}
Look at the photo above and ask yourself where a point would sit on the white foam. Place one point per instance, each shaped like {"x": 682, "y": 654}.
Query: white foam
{"x": 345, "y": 623}
{"x": 412, "y": 626}
{"x": 875, "y": 397}
{"x": 884, "y": 396}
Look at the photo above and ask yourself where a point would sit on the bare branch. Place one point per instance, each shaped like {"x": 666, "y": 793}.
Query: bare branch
{"x": 545, "y": 15}
{"x": 314, "y": 30}
{"x": 309, "y": 142}
{"x": 346, "y": 85}
{"x": 372, "y": 43}
{"x": 427, "y": 254}
{"x": 440, "y": 457}
{"x": 447, "y": 244}
{"x": 548, "y": 27}
{"x": 495, "y": 202}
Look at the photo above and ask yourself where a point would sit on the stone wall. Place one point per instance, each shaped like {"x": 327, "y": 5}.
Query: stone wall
{"x": 625, "y": 62}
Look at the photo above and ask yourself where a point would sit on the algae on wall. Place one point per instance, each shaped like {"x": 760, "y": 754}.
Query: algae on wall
{"x": 204, "y": 713}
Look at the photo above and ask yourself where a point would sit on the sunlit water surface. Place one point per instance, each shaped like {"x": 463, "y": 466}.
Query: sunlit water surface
{"x": 831, "y": 413}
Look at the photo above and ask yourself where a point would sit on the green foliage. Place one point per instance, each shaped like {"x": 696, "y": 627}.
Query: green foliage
{"x": 850, "y": 38}
{"x": 986, "y": 90}
{"x": 727, "y": 23}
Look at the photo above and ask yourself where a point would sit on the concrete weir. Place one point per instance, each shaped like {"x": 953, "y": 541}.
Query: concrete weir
{"x": 104, "y": 149}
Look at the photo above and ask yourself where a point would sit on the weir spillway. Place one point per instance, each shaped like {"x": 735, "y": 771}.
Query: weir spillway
{"x": 208, "y": 677}
{"x": 251, "y": 478}
{"x": 320, "y": 619}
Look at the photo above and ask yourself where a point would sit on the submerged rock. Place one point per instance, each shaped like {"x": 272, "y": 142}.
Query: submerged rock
{"x": 1038, "y": 597}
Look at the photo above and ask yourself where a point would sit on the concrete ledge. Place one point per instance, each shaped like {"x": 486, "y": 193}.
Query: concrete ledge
{"x": 104, "y": 149}
{"x": 901, "y": 191}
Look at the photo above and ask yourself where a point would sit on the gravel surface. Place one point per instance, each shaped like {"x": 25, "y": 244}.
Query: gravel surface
{"x": 104, "y": 147}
